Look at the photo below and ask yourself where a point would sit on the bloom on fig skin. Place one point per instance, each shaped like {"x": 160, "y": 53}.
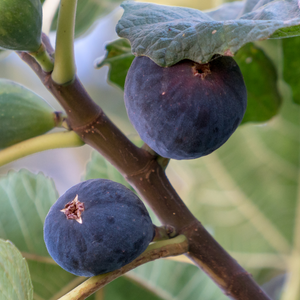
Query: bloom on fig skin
{"x": 187, "y": 110}
{"x": 96, "y": 227}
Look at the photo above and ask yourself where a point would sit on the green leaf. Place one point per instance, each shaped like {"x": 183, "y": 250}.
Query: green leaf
{"x": 169, "y": 34}
{"x": 25, "y": 200}
{"x": 88, "y": 11}
{"x": 291, "y": 65}
{"x": 174, "y": 280}
{"x": 20, "y": 25}
{"x": 23, "y": 114}
{"x": 228, "y": 11}
{"x": 260, "y": 77}
{"x": 119, "y": 58}
{"x": 99, "y": 167}
{"x": 15, "y": 282}
{"x": 124, "y": 288}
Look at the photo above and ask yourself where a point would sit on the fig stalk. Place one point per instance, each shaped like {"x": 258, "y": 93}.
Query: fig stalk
{"x": 172, "y": 247}
{"x": 40, "y": 143}
{"x": 64, "y": 65}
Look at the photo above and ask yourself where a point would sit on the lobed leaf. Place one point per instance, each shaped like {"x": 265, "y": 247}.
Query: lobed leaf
{"x": 169, "y": 34}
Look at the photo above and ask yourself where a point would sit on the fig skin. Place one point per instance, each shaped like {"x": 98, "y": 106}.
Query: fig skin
{"x": 187, "y": 110}
{"x": 116, "y": 228}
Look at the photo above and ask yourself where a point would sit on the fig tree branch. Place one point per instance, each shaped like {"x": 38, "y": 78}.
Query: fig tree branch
{"x": 145, "y": 174}
{"x": 172, "y": 247}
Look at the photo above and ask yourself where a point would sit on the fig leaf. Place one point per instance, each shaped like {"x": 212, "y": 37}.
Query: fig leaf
{"x": 170, "y": 34}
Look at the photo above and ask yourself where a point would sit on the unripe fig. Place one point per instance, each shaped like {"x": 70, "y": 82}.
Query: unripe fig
{"x": 96, "y": 227}
{"x": 188, "y": 110}
{"x": 23, "y": 114}
{"x": 20, "y": 25}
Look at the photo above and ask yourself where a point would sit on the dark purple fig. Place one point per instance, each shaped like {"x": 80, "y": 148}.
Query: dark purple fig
{"x": 188, "y": 110}
{"x": 96, "y": 227}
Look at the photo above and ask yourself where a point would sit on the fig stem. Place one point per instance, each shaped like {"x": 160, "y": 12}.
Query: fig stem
{"x": 40, "y": 143}
{"x": 64, "y": 65}
{"x": 43, "y": 58}
{"x": 164, "y": 232}
{"x": 171, "y": 247}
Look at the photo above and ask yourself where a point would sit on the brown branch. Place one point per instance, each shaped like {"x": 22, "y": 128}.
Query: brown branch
{"x": 143, "y": 172}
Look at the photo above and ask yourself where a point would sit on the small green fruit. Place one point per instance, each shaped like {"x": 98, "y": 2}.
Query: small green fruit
{"x": 20, "y": 25}
{"x": 23, "y": 114}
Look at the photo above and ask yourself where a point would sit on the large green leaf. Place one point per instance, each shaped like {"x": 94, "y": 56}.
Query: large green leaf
{"x": 170, "y": 34}
{"x": 291, "y": 71}
{"x": 20, "y": 24}
{"x": 15, "y": 282}
{"x": 23, "y": 114}
{"x": 260, "y": 77}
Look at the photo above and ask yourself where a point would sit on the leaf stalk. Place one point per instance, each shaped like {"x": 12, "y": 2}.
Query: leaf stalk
{"x": 64, "y": 65}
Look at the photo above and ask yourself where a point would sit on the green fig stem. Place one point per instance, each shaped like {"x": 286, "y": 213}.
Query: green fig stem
{"x": 40, "y": 143}
{"x": 171, "y": 247}
{"x": 43, "y": 59}
{"x": 60, "y": 119}
{"x": 64, "y": 66}
{"x": 164, "y": 232}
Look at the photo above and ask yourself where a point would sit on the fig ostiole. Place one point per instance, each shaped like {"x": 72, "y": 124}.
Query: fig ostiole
{"x": 96, "y": 227}
{"x": 187, "y": 110}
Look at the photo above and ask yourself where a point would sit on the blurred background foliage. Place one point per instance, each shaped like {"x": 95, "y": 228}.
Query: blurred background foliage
{"x": 246, "y": 193}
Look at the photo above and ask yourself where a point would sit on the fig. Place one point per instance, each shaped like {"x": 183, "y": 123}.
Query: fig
{"x": 23, "y": 114}
{"x": 20, "y": 25}
{"x": 96, "y": 227}
{"x": 187, "y": 110}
